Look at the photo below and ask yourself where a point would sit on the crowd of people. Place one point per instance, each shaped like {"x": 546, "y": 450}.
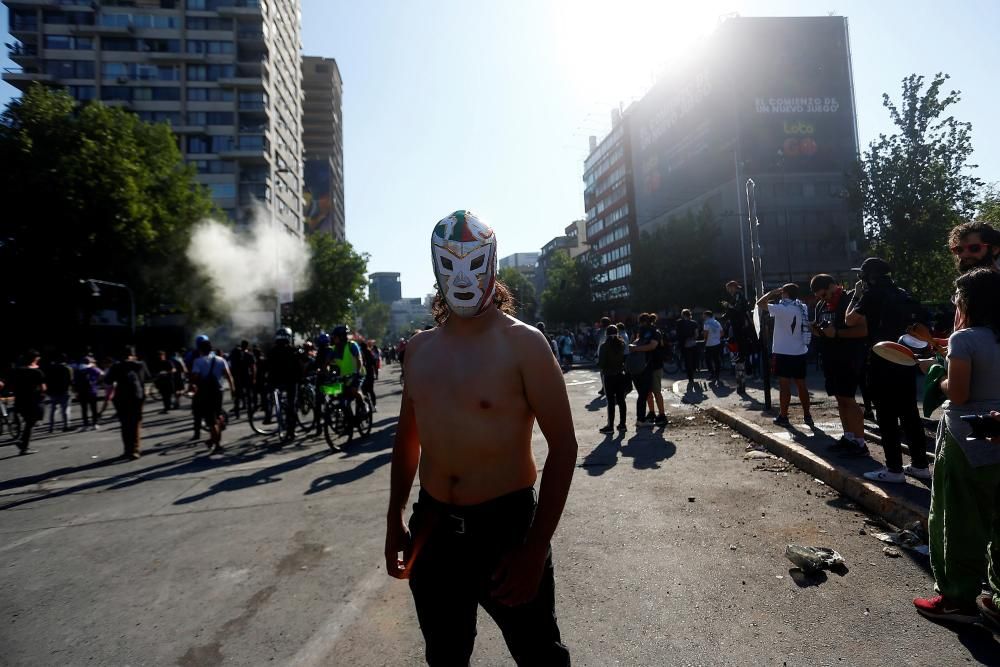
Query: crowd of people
{"x": 201, "y": 375}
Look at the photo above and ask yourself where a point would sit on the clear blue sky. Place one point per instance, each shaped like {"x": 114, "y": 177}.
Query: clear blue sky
{"x": 488, "y": 105}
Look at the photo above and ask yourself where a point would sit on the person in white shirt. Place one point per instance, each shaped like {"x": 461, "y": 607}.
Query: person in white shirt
{"x": 713, "y": 345}
{"x": 789, "y": 345}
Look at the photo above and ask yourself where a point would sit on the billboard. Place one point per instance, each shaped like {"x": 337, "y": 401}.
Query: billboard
{"x": 317, "y": 197}
{"x": 773, "y": 93}
{"x": 795, "y": 102}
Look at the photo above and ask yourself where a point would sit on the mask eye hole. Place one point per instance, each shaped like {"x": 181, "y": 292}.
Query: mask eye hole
{"x": 446, "y": 263}
{"x": 478, "y": 262}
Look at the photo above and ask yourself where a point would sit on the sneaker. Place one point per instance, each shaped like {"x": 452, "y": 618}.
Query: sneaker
{"x": 782, "y": 420}
{"x": 661, "y": 420}
{"x": 644, "y": 423}
{"x": 600, "y": 392}
{"x": 885, "y": 475}
{"x": 622, "y": 427}
{"x": 869, "y": 415}
{"x": 919, "y": 473}
{"x": 606, "y": 429}
{"x": 939, "y": 609}
{"x": 95, "y": 427}
{"x": 808, "y": 420}
{"x": 856, "y": 451}
{"x": 843, "y": 445}
{"x": 989, "y": 609}
{"x": 26, "y": 451}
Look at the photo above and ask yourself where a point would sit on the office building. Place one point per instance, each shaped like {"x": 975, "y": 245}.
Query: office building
{"x": 572, "y": 244}
{"x": 225, "y": 74}
{"x": 384, "y": 287}
{"x": 770, "y": 99}
{"x": 323, "y": 143}
{"x": 523, "y": 262}
{"x": 608, "y": 198}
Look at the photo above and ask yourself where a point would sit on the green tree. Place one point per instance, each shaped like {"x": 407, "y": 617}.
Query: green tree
{"x": 989, "y": 207}
{"x": 671, "y": 267}
{"x": 567, "y": 299}
{"x": 93, "y": 192}
{"x": 335, "y": 282}
{"x": 914, "y": 186}
{"x": 525, "y": 301}
{"x": 371, "y": 316}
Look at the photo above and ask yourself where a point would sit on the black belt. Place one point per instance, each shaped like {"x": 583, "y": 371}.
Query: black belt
{"x": 463, "y": 519}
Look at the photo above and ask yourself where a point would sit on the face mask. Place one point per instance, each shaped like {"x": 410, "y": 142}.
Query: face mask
{"x": 463, "y": 249}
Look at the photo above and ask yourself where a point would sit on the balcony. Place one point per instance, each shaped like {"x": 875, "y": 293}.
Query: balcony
{"x": 24, "y": 53}
{"x": 68, "y": 5}
{"x": 178, "y": 57}
{"x": 242, "y": 81}
{"x": 242, "y": 8}
{"x": 22, "y": 80}
{"x": 102, "y": 30}
{"x": 247, "y": 147}
{"x": 23, "y": 27}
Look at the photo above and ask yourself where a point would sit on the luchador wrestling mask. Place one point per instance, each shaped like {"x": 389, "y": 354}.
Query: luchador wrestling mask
{"x": 464, "y": 251}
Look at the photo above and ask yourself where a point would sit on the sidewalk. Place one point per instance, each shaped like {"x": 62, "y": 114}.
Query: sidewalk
{"x": 808, "y": 448}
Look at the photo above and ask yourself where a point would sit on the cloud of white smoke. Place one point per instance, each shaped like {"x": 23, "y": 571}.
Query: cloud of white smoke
{"x": 248, "y": 266}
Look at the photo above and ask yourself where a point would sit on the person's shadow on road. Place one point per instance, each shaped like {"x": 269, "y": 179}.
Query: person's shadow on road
{"x": 363, "y": 469}
{"x": 648, "y": 453}
{"x": 604, "y": 456}
{"x": 267, "y": 475}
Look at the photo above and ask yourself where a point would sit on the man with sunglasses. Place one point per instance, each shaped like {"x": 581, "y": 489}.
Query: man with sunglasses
{"x": 974, "y": 244}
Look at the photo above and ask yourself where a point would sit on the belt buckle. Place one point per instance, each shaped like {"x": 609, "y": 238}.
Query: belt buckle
{"x": 459, "y": 522}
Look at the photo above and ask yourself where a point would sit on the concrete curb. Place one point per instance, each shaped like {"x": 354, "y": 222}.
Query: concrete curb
{"x": 873, "y": 498}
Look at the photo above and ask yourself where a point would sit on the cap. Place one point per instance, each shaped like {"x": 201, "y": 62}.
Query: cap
{"x": 874, "y": 266}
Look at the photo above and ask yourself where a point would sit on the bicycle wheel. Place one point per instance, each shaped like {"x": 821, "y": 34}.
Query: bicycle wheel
{"x": 333, "y": 418}
{"x": 364, "y": 425}
{"x": 305, "y": 401}
{"x": 12, "y": 426}
{"x": 264, "y": 416}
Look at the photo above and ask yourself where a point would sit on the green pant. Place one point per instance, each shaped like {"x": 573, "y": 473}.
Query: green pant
{"x": 964, "y": 524}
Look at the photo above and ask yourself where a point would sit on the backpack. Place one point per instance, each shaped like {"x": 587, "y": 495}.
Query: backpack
{"x": 208, "y": 386}
{"x": 635, "y": 363}
{"x": 130, "y": 389}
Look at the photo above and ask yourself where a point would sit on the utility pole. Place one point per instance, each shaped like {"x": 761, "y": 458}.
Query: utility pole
{"x": 756, "y": 257}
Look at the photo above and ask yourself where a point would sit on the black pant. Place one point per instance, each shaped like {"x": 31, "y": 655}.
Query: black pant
{"x": 88, "y": 404}
{"x": 130, "y": 418}
{"x": 642, "y": 382}
{"x": 457, "y": 550}
{"x": 614, "y": 390}
{"x": 690, "y": 361}
{"x": 893, "y": 390}
{"x": 713, "y": 357}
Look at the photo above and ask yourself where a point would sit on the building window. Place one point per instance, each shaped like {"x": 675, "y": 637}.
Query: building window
{"x": 214, "y": 47}
{"x": 207, "y": 23}
{"x": 65, "y": 42}
{"x": 209, "y": 72}
{"x": 70, "y": 69}
{"x": 209, "y": 95}
{"x": 222, "y": 190}
{"x": 81, "y": 93}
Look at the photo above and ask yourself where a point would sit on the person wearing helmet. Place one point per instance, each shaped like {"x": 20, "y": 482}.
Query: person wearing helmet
{"x": 285, "y": 373}
{"x": 475, "y": 385}
{"x": 322, "y": 364}
{"x": 207, "y": 374}
{"x": 346, "y": 358}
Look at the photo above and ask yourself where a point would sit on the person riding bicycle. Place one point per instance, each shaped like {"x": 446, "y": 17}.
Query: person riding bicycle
{"x": 321, "y": 365}
{"x": 285, "y": 373}
{"x": 346, "y": 358}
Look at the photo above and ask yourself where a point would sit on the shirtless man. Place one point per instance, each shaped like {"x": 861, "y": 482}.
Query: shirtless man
{"x": 474, "y": 387}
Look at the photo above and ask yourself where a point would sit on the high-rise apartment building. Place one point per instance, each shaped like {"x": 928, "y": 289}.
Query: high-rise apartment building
{"x": 608, "y": 200}
{"x": 323, "y": 144}
{"x": 225, "y": 74}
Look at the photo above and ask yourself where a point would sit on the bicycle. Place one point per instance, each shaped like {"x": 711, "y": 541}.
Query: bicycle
{"x": 267, "y": 416}
{"x": 335, "y": 421}
{"x": 305, "y": 402}
{"x": 10, "y": 421}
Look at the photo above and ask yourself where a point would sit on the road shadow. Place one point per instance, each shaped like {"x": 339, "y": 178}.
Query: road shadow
{"x": 363, "y": 469}
{"x": 980, "y": 642}
{"x": 648, "y": 453}
{"x": 604, "y": 456}
{"x": 259, "y": 477}
{"x": 720, "y": 389}
{"x": 597, "y": 403}
{"x": 56, "y": 472}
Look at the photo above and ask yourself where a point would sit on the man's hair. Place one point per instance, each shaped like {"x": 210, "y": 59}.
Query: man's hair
{"x": 621, "y": 327}
{"x": 502, "y": 299}
{"x": 708, "y": 313}
{"x": 987, "y": 232}
{"x": 979, "y": 295}
{"x": 128, "y": 351}
{"x": 733, "y": 283}
{"x": 31, "y": 355}
{"x": 605, "y": 322}
{"x": 651, "y": 318}
{"x": 791, "y": 289}
{"x": 686, "y": 313}
{"x": 820, "y": 281}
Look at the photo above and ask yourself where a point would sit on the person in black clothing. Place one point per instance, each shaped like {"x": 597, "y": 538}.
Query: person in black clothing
{"x": 163, "y": 378}
{"x": 842, "y": 351}
{"x": 242, "y": 365}
{"x": 740, "y": 331}
{"x": 882, "y": 308}
{"x": 368, "y": 383}
{"x": 29, "y": 391}
{"x": 687, "y": 338}
{"x": 127, "y": 380}
{"x": 644, "y": 344}
{"x": 58, "y": 380}
{"x": 285, "y": 373}
{"x": 611, "y": 362}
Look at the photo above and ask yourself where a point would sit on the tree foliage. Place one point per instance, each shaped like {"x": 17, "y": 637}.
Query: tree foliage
{"x": 525, "y": 301}
{"x": 371, "y": 318}
{"x": 567, "y": 299}
{"x": 335, "y": 281}
{"x": 674, "y": 266}
{"x": 914, "y": 186}
{"x": 989, "y": 207}
{"x": 93, "y": 192}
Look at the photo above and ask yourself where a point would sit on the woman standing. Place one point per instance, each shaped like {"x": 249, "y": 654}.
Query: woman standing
{"x": 611, "y": 362}
{"x": 964, "y": 523}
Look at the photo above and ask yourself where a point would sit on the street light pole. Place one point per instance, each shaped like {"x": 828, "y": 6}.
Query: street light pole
{"x": 756, "y": 257}
{"x": 94, "y": 282}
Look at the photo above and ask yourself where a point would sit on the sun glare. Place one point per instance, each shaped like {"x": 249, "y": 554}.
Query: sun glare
{"x": 612, "y": 52}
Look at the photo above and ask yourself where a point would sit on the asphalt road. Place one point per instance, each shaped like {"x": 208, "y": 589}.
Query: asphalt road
{"x": 265, "y": 557}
